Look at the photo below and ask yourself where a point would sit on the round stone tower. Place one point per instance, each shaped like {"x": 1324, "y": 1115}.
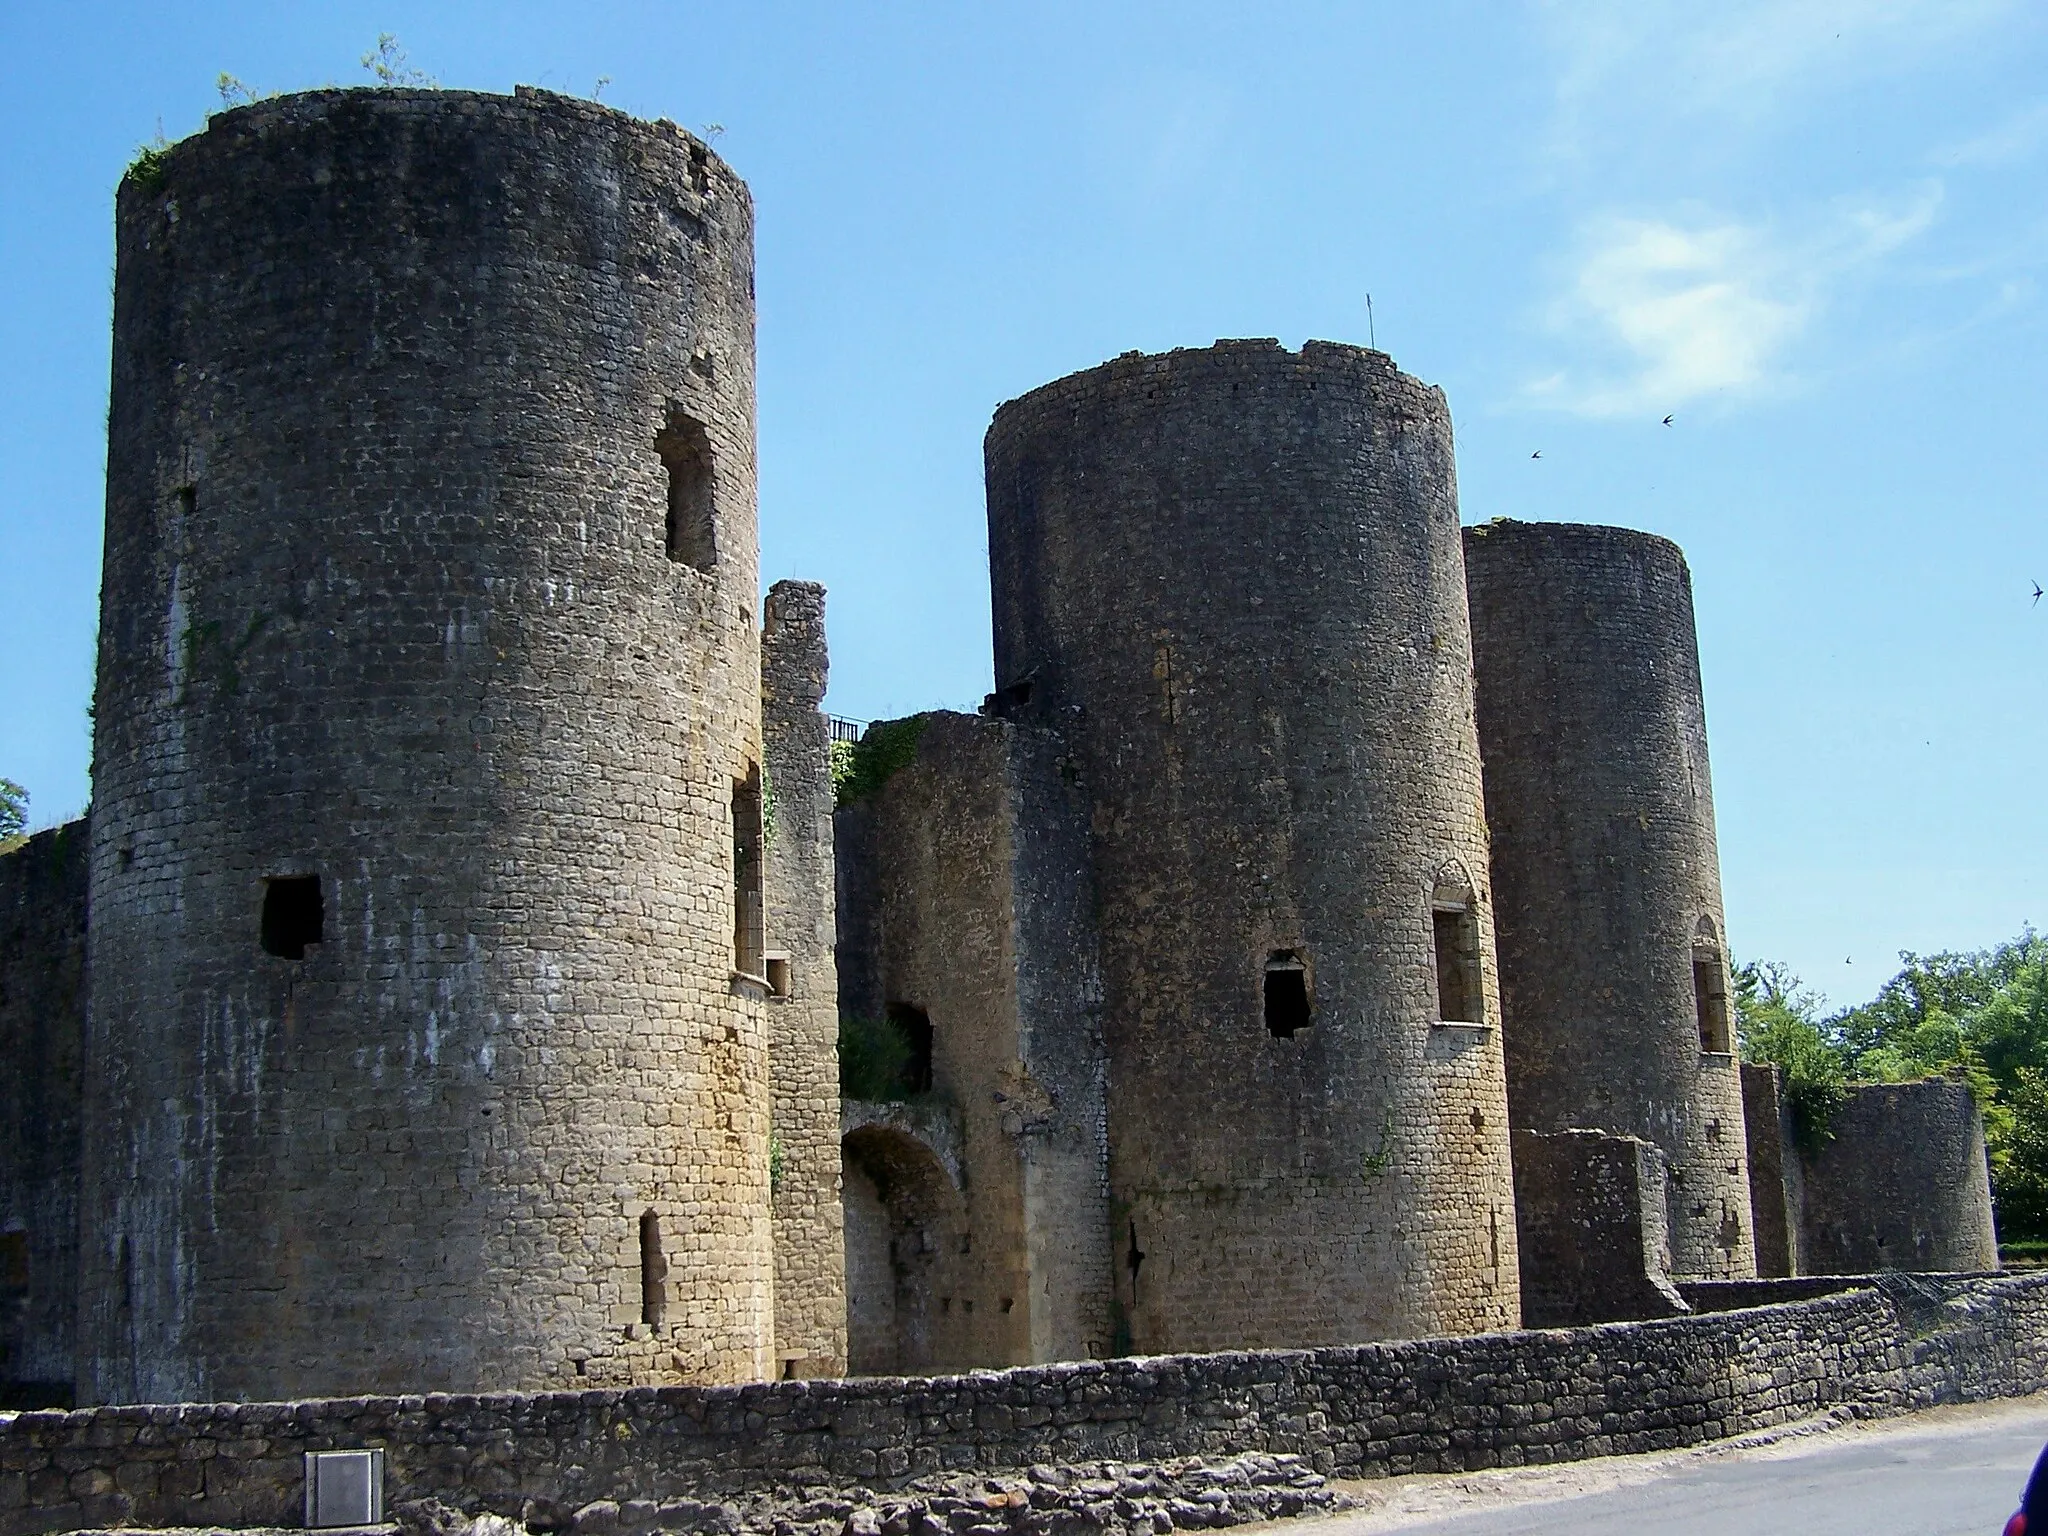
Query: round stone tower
{"x": 425, "y": 875}
{"x": 1607, "y": 882}
{"x": 1232, "y": 578}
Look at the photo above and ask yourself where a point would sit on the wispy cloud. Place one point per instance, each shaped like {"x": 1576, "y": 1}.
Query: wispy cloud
{"x": 2021, "y": 134}
{"x": 1655, "y": 313}
{"x": 1625, "y": 64}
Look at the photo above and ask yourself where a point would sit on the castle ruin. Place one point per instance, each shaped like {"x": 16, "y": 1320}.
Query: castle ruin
{"x": 444, "y": 992}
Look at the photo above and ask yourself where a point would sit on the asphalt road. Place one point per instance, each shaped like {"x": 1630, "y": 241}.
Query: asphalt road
{"x": 1952, "y": 1471}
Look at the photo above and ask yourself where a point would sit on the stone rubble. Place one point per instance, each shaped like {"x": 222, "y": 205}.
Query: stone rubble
{"x": 1106, "y": 1498}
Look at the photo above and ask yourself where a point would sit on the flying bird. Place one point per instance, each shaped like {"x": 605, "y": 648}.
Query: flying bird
{"x": 2037, "y": 592}
{"x": 1537, "y": 454}
{"x": 1667, "y": 421}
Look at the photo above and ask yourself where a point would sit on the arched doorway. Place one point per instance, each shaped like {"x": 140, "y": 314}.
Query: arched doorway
{"x": 901, "y": 1208}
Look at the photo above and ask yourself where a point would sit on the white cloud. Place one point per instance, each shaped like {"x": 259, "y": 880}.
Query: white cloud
{"x": 1655, "y": 313}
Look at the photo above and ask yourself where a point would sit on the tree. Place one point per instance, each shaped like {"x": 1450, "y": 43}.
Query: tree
{"x": 1774, "y": 1021}
{"x": 13, "y": 815}
{"x": 1980, "y": 1018}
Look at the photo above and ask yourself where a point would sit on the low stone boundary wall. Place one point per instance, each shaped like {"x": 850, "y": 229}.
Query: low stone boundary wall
{"x": 1427, "y": 1405}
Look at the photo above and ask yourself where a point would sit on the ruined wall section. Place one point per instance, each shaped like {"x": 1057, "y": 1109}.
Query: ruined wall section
{"x": 1776, "y": 1182}
{"x": 1590, "y": 1220}
{"x": 1901, "y": 1182}
{"x": 427, "y": 629}
{"x": 1231, "y": 579}
{"x": 43, "y": 890}
{"x": 803, "y": 1015}
{"x": 978, "y": 908}
{"x": 1606, "y": 874}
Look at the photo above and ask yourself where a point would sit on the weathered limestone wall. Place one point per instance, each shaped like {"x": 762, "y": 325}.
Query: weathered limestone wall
{"x": 43, "y": 890}
{"x": 1775, "y": 1183}
{"x": 430, "y": 583}
{"x": 1900, "y": 1183}
{"x": 1607, "y": 879}
{"x": 1231, "y": 580}
{"x": 1500, "y": 1399}
{"x": 1590, "y": 1219}
{"x": 803, "y": 1022}
{"x": 969, "y": 894}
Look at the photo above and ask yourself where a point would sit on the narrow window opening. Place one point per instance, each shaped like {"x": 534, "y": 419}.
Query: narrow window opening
{"x": 294, "y": 915}
{"x": 653, "y": 1271}
{"x": 749, "y": 920}
{"x": 1287, "y": 1001}
{"x": 14, "y": 1262}
{"x": 1710, "y": 1002}
{"x": 916, "y": 1026}
{"x": 125, "y": 1274}
{"x": 777, "y": 974}
{"x": 685, "y": 449}
{"x": 1458, "y": 993}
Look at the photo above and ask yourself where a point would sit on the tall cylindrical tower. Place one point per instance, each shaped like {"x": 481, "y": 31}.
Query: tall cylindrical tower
{"x": 426, "y": 842}
{"x": 1232, "y": 577}
{"x": 1607, "y": 882}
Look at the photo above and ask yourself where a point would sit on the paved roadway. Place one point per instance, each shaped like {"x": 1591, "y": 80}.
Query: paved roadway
{"x": 1953, "y": 1472}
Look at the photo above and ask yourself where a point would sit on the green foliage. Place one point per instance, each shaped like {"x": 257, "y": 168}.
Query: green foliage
{"x": 146, "y": 170}
{"x": 13, "y": 815}
{"x": 840, "y": 759}
{"x": 239, "y": 93}
{"x": 1980, "y": 1018}
{"x": 388, "y": 62}
{"x": 874, "y": 1060}
{"x": 868, "y": 764}
{"x": 1774, "y": 1019}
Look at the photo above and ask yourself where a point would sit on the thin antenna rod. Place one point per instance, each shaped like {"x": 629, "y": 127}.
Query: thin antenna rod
{"x": 1372, "y": 335}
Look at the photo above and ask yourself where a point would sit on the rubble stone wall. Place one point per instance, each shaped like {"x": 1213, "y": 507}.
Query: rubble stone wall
{"x": 1496, "y": 1399}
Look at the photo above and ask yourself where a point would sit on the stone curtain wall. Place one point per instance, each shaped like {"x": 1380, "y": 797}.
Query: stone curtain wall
{"x": 803, "y": 1024}
{"x": 42, "y": 1024}
{"x": 1434, "y": 1405}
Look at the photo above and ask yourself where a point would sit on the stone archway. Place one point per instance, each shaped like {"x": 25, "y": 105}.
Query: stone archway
{"x": 901, "y": 1205}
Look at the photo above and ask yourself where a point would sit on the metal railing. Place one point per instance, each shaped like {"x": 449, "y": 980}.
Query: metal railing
{"x": 844, "y": 729}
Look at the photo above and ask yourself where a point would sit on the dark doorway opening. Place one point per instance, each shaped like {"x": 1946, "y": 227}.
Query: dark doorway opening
{"x": 916, "y": 1025}
{"x": 294, "y": 915}
{"x": 1286, "y": 994}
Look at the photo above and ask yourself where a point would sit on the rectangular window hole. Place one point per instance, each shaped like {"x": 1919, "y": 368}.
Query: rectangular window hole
{"x": 1286, "y": 994}
{"x": 653, "y": 1271}
{"x": 749, "y": 902}
{"x": 685, "y": 449}
{"x": 1456, "y": 932}
{"x": 777, "y": 974}
{"x": 1710, "y": 1003}
{"x": 294, "y": 915}
{"x": 916, "y": 1026}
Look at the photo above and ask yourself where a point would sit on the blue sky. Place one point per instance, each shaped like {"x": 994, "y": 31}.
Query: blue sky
{"x": 1814, "y": 231}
